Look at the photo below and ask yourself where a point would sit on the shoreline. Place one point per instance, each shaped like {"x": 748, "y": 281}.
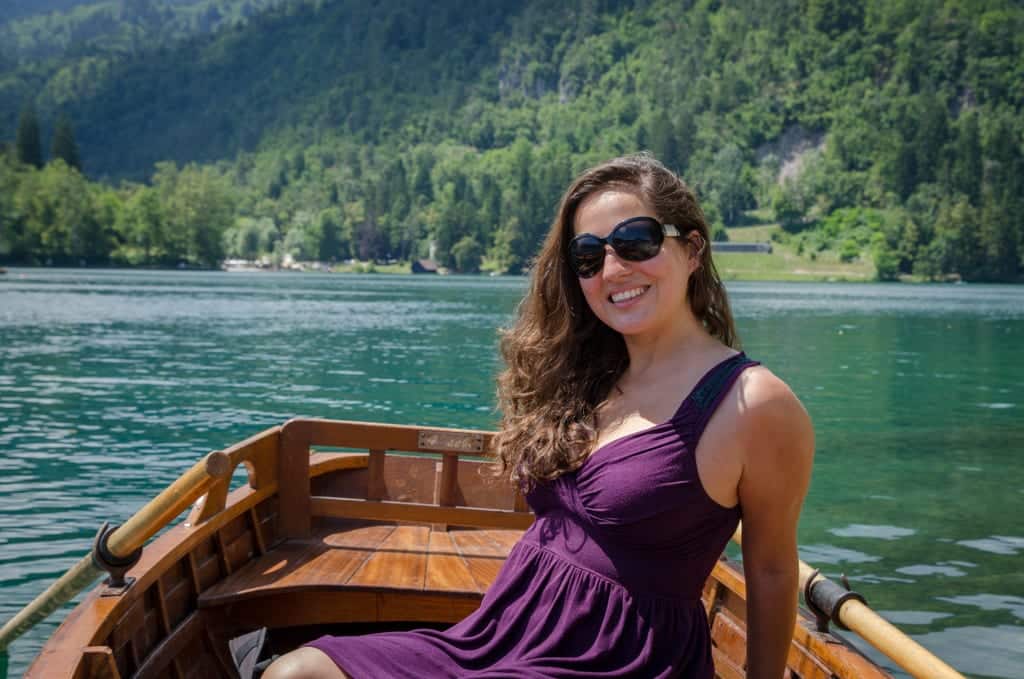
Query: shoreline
{"x": 727, "y": 273}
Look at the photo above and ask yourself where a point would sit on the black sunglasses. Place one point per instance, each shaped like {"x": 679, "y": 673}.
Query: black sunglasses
{"x": 636, "y": 240}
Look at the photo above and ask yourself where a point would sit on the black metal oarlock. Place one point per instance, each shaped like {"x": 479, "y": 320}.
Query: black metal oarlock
{"x": 824, "y": 598}
{"x": 116, "y": 583}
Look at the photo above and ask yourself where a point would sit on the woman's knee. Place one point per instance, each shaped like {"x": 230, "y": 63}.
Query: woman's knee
{"x": 304, "y": 663}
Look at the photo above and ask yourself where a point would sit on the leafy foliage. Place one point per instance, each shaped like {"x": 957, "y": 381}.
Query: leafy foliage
{"x": 28, "y": 145}
{"x": 887, "y": 130}
{"x": 64, "y": 145}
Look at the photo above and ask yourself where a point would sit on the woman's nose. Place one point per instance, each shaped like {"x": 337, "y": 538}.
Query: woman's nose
{"x": 613, "y": 264}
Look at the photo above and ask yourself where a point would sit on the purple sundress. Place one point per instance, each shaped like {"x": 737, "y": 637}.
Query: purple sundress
{"x": 605, "y": 583}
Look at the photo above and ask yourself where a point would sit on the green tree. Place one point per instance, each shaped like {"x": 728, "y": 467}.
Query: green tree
{"x": 333, "y": 246}
{"x": 199, "y": 207}
{"x": 967, "y": 170}
{"x": 467, "y": 254}
{"x": 143, "y": 229}
{"x": 28, "y": 145}
{"x": 885, "y": 258}
{"x": 727, "y": 183}
{"x": 64, "y": 145}
{"x": 957, "y": 238}
{"x": 60, "y": 216}
{"x": 932, "y": 132}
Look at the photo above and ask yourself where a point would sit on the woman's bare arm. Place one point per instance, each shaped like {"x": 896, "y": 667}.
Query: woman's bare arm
{"x": 779, "y": 449}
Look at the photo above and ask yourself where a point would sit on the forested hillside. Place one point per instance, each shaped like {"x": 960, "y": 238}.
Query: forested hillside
{"x": 37, "y": 30}
{"x": 884, "y": 130}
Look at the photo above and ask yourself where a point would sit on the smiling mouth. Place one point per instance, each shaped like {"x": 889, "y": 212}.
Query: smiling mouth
{"x": 627, "y": 295}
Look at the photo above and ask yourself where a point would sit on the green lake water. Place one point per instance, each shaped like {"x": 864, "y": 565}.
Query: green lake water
{"x": 113, "y": 382}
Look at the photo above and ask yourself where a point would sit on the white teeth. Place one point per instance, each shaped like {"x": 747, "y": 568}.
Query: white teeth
{"x": 627, "y": 294}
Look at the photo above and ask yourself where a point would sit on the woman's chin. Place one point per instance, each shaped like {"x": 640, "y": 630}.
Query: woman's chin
{"x": 629, "y": 324}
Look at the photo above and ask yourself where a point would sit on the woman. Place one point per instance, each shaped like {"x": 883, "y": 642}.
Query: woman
{"x": 636, "y": 488}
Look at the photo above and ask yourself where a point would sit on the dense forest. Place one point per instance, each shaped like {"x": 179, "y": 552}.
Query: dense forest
{"x": 883, "y": 130}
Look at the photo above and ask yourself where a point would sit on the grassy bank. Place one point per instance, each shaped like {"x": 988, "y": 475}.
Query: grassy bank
{"x": 784, "y": 264}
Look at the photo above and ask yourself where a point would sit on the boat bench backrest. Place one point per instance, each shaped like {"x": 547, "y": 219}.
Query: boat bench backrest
{"x": 396, "y": 486}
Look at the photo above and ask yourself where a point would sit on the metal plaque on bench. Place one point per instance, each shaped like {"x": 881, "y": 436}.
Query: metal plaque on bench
{"x": 432, "y": 439}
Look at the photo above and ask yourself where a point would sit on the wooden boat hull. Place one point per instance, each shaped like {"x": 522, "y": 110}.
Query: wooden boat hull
{"x": 345, "y": 541}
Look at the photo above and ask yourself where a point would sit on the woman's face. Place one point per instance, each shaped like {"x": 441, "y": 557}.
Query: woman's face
{"x": 633, "y": 298}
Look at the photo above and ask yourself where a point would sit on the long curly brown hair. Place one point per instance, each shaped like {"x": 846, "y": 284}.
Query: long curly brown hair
{"x": 561, "y": 361}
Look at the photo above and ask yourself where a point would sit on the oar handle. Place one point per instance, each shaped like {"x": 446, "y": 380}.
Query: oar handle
{"x": 171, "y": 502}
{"x": 877, "y": 631}
{"x": 160, "y": 511}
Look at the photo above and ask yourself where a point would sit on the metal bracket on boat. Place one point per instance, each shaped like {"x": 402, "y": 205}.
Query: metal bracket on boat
{"x": 116, "y": 584}
{"x": 825, "y": 598}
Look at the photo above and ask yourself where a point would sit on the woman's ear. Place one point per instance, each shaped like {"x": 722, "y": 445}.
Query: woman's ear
{"x": 697, "y": 245}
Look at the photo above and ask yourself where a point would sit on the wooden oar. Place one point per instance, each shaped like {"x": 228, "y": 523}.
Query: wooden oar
{"x": 876, "y": 630}
{"x": 129, "y": 537}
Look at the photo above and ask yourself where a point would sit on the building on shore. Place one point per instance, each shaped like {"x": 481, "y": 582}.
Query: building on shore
{"x": 424, "y": 266}
{"x": 724, "y": 246}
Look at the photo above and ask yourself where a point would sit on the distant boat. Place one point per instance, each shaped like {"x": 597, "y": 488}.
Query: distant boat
{"x": 353, "y": 542}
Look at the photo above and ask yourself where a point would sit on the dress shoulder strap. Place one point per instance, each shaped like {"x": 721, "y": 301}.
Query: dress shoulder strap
{"x": 713, "y": 388}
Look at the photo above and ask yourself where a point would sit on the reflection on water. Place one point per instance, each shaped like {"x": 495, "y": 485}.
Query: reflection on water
{"x": 112, "y": 383}
{"x": 859, "y": 530}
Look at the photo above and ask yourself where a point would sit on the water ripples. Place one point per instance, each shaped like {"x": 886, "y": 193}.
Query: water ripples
{"x": 113, "y": 383}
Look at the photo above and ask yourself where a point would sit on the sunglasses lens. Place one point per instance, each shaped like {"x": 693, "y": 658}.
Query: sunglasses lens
{"x": 635, "y": 240}
{"x": 586, "y": 255}
{"x": 638, "y": 239}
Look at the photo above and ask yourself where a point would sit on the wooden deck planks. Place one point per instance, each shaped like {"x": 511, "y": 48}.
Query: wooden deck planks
{"x": 483, "y": 553}
{"x": 356, "y": 535}
{"x": 346, "y": 554}
{"x": 478, "y": 543}
{"x": 400, "y": 561}
{"x": 446, "y": 569}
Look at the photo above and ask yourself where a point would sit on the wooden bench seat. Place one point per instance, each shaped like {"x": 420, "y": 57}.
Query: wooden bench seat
{"x": 364, "y": 571}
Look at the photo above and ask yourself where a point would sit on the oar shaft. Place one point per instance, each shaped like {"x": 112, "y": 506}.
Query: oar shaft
{"x": 157, "y": 513}
{"x": 880, "y": 633}
{"x": 888, "y": 639}
{"x": 79, "y": 576}
{"x": 171, "y": 501}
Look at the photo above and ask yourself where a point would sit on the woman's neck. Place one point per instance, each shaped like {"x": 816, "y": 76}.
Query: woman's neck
{"x": 673, "y": 346}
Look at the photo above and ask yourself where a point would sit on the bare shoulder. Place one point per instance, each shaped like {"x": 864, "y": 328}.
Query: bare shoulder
{"x": 772, "y": 415}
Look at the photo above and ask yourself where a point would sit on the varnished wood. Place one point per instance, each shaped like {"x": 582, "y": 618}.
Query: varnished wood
{"x": 402, "y": 511}
{"x": 94, "y": 618}
{"x": 292, "y": 566}
{"x": 399, "y": 561}
{"x": 375, "y": 489}
{"x": 211, "y": 503}
{"x": 353, "y": 556}
{"x": 446, "y": 568}
{"x": 367, "y": 435}
{"x": 729, "y": 638}
{"x": 293, "y": 479}
{"x": 482, "y": 543}
{"x": 841, "y": 660}
{"x": 725, "y": 666}
{"x": 166, "y": 506}
{"x": 98, "y": 663}
{"x": 310, "y": 607}
{"x": 448, "y": 486}
{"x": 259, "y": 455}
{"x": 161, "y": 659}
{"x": 257, "y": 531}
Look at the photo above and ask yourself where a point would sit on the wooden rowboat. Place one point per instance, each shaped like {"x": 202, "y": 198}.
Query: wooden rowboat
{"x": 393, "y": 527}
